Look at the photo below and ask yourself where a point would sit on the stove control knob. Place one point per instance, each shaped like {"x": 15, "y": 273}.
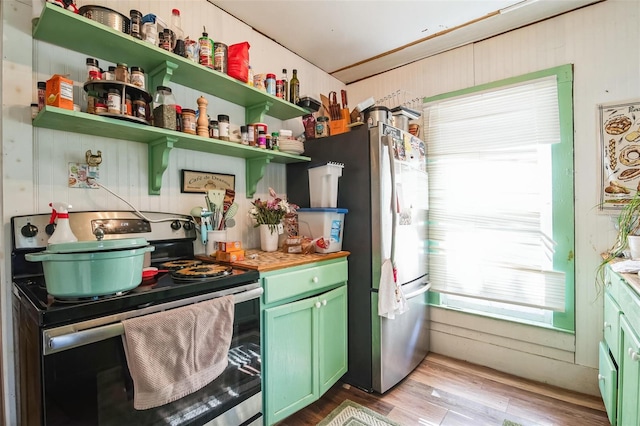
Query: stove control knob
{"x": 50, "y": 228}
{"x": 175, "y": 225}
{"x": 29, "y": 230}
{"x": 188, "y": 226}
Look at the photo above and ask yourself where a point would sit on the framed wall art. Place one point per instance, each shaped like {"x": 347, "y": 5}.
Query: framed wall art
{"x": 200, "y": 182}
{"x": 619, "y": 128}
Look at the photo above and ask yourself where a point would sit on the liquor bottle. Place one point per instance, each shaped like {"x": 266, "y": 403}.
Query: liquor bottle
{"x": 285, "y": 85}
{"x": 294, "y": 88}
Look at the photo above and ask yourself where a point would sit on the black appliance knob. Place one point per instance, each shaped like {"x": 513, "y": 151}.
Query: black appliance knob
{"x": 175, "y": 225}
{"x": 188, "y": 226}
{"x": 29, "y": 230}
{"x": 50, "y": 228}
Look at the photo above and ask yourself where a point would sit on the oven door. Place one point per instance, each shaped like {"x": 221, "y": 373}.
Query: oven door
{"x": 87, "y": 381}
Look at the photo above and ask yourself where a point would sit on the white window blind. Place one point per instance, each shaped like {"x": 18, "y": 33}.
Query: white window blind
{"x": 490, "y": 171}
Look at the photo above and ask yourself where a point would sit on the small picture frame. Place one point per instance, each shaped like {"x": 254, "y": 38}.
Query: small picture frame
{"x": 193, "y": 181}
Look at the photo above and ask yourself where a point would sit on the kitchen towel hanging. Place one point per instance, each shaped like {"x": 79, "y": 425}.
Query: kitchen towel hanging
{"x": 174, "y": 353}
{"x": 391, "y": 299}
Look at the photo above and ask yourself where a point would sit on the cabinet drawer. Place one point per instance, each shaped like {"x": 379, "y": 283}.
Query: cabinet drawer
{"x": 302, "y": 281}
{"x": 612, "y": 325}
{"x": 608, "y": 382}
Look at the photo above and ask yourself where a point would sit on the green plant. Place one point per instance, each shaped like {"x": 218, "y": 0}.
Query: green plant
{"x": 628, "y": 223}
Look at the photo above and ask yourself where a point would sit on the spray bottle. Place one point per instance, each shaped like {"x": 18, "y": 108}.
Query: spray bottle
{"x": 63, "y": 233}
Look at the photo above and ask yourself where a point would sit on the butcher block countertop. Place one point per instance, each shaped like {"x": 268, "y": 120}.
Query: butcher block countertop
{"x": 271, "y": 261}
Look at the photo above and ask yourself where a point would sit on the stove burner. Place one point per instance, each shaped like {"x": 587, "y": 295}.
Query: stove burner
{"x": 74, "y": 300}
{"x": 179, "y": 264}
{"x": 202, "y": 271}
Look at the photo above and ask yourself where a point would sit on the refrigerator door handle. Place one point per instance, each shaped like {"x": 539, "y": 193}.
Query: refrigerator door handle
{"x": 418, "y": 292}
{"x": 388, "y": 141}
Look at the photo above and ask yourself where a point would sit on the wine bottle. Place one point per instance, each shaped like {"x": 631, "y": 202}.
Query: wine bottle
{"x": 285, "y": 85}
{"x": 294, "y": 88}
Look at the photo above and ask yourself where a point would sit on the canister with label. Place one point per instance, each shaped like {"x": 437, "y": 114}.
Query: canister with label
{"x": 189, "y": 121}
{"x": 270, "y": 84}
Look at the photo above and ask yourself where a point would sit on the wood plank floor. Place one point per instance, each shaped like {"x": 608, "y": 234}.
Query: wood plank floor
{"x": 448, "y": 392}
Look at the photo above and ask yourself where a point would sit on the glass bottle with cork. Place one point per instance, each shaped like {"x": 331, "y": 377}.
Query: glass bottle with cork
{"x": 294, "y": 88}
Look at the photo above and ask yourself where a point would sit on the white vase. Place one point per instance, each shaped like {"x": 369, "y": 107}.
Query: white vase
{"x": 268, "y": 237}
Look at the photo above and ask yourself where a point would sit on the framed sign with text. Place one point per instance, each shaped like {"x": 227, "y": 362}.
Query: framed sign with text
{"x": 200, "y": 182}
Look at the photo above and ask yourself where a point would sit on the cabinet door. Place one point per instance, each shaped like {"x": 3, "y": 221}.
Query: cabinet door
{"x": 611, "y": 327}
{"x": 629, "y": 390}
{"x": 332, "y": 336}
{"x": 290, "y": 378}
{"x": 608, "y": 382}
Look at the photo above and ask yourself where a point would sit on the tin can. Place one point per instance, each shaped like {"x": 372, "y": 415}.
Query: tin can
{"x": 220, "y": 57}
{"x": 270, "y": 84}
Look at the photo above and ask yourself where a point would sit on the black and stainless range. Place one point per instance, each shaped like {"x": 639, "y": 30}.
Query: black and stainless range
{"x": 70, "y": 363}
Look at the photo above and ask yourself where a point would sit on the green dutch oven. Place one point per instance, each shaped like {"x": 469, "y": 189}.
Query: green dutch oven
{"x": 92, "y": 268}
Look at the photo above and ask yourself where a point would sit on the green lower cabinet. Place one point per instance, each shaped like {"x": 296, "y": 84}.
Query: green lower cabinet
{"x": 305, "y": 351}
{"x": 629, "y": 378}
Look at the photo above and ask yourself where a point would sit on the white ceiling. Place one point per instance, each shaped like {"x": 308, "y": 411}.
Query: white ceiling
{"x": 355, "y": 39}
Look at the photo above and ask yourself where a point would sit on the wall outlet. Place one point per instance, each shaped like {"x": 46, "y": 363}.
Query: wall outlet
{"x": 81, "y": 174}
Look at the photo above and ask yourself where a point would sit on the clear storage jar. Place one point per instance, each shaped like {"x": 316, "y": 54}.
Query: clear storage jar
{"x": 164, "y": 108}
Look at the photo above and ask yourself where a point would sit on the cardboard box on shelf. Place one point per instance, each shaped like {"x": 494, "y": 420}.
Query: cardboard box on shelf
{"x": 59, "y": 92}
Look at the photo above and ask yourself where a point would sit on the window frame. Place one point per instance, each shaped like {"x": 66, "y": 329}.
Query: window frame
{"x": 563, "y": 184}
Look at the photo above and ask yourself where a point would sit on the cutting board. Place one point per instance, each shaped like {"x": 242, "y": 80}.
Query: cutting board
{"x": 270, "y": 261}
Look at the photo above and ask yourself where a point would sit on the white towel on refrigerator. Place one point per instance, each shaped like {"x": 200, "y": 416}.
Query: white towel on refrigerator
{"x": 391, "y": 300}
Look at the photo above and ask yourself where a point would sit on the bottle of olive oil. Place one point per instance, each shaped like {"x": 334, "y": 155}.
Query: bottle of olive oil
{"x": 294, "y": 88}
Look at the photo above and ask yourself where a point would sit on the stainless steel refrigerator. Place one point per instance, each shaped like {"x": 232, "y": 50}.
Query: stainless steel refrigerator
{"x": 388, "y": 211}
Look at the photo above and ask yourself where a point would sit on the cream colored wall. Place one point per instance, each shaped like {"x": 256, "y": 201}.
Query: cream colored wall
{"x": 602, "y": 42}
{"x": 34, "y": 161}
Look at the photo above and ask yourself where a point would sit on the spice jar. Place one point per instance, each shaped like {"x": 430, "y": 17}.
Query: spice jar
{"x": 42, "y": 91}
{"x": 122, "y": 73}
{"x": 274, "y": 141}
{"x": 164, "y": 108}
{"x": 214, "y": 129}
{"x": 114, "y": 102}
{"x": 189, "y": 121}
{"x": 92, "y": 100}
{"x": 244, "y": 135}
{"x": 223, "y": 126}
{"x": 34, "y": 111}
{"x": 178, "y": 109}
{"x": 128, "y": 105}
{"x": 262, "y": 139}
{"x": 110, "y": 75}
{"x": 140, "y": 108}
{"x": 136, "y": 23}
{"x": 93, "y": 70}
{"x": 251, "y": 134}
{"x": 322, "y": 127}
{"x": 137, "y": 77}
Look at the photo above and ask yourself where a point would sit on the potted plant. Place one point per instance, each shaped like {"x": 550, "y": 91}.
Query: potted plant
{"x": 628, "y": 225}
{"x": 268, "y": 216}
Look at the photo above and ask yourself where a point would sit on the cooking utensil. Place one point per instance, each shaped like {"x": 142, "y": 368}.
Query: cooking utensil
{"x": 92, "y": 268}
{"x": 150, "y": 272}
{"x": 325, "y": 105}
{"x": 231, "y": 212}
{"x": 343, "y": 94}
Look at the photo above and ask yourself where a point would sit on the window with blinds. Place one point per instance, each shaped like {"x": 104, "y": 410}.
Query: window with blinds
{"x": 496, "y": 174}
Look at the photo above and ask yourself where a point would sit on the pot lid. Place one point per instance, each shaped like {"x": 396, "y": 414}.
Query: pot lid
{"x": 97, "y": 246}
{"x": 377, "y": 108}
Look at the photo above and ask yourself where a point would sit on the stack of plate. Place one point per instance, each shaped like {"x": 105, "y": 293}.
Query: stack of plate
{"x": 291, "y": 146}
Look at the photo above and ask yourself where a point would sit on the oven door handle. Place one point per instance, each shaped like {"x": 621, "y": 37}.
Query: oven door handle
{"x": 72, "y": 336}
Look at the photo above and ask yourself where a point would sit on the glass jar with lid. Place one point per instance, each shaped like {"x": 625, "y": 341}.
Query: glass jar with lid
{"x": 122, "y": 73}
{"x": 136, "y": 77}
{"x": 164, "y": 108}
